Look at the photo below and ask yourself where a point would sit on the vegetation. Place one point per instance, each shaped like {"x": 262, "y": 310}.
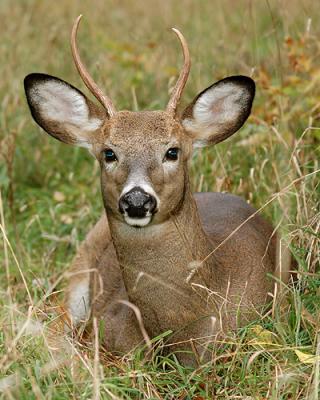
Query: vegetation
{"x": 50, "y": 192}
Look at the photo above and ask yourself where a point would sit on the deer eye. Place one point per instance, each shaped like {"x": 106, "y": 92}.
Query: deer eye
{"x": 172, "y": 154}
{"x": 109, "y": 155}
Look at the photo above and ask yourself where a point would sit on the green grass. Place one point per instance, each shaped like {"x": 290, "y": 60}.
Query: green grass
{"x": 50, "y": 194}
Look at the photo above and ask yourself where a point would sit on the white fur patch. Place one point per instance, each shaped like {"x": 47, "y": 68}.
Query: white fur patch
{"x": 138, "y": 221}
{"x": 217, "y": 106}
{"x": 110, "y": 166}
{"x": 59, "y": 103}
{"x": 78, "y": 303}
{"x": 169, "y": 166}
{"x": 140, "y": 182}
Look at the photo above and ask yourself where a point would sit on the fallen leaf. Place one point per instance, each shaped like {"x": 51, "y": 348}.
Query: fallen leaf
{"x": 262, "y": 336}
{"x": 66, "y": 219}
{"x": 306, "y": 358}
{"x": 59, "y": 197}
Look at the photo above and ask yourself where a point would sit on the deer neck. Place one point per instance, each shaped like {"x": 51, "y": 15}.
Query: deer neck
{"x": 167, "y": 254}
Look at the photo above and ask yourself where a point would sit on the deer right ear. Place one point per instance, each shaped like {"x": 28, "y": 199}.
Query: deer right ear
{"x": 62, "y": 110}
{"x": 219, "y": 111}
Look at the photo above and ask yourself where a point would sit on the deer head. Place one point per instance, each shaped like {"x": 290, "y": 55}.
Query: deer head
{"x": 143, "y": 155}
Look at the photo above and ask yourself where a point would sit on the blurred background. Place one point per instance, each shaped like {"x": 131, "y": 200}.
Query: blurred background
{"x": 50, "y": 195}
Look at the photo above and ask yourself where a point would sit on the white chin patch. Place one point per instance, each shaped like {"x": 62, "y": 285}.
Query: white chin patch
{"x": 137, "y": 221}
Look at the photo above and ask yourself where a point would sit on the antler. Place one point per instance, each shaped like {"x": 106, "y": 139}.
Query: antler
{"x": 85, "y": 76}
{"x": 182, "y": 80}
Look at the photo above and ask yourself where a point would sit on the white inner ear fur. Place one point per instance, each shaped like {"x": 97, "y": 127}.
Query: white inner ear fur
{"x": 222, "y": 104}
{"x": 60, "y": 103}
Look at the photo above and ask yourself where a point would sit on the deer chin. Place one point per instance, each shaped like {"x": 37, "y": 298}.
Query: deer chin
{"x": 138, "y": 222}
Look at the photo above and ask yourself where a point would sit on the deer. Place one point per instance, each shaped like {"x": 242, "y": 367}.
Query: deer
{"x": 161, "y": 258}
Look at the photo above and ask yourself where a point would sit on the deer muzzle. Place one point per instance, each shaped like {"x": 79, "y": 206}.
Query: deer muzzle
{"x": 137, "y": 205}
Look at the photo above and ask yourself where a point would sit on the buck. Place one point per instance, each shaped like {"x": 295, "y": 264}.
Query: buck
{"x": 160, "y": 258}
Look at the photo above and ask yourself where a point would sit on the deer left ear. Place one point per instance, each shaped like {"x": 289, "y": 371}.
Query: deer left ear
{"x": 62, "y": 110}
{"x": 219, "y": 111}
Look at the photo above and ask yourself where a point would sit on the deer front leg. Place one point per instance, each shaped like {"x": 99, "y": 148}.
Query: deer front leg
{"x": 109, "y": 302}
{"x": 96, "y": 287}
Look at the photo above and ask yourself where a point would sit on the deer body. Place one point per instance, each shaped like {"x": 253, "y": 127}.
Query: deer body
{"x": 162, "y": 280}
{"x": 195, "y": 265}
{"x": 155, "y": 273}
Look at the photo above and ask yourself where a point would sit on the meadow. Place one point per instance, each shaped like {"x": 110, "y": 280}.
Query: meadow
{"x": 50, "y": 194}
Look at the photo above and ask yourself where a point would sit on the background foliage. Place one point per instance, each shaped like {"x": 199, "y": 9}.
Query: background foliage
{"x": 50, "y": 194}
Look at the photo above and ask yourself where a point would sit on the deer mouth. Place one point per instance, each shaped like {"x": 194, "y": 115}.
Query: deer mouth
{"x": 138, "y": 222}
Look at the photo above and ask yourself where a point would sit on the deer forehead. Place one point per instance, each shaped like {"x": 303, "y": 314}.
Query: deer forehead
{"x": 128, "y": 129}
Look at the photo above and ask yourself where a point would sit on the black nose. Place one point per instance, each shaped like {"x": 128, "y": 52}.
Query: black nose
{"x": 136, "y": 203}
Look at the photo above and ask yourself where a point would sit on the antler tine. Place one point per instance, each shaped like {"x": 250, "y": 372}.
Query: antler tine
{"x": 85, "y": 76}
{"x": 183, "y": 77}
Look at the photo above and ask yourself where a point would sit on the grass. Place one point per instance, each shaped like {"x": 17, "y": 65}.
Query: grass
{"x": 50, "y": 194}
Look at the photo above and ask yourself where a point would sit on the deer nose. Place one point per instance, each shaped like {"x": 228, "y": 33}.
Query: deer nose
{"x": 137, "y": 203}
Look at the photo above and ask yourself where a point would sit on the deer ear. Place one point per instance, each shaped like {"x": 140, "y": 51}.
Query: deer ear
{"x": 62, "y": 110}
{"x": 219, "y": 111}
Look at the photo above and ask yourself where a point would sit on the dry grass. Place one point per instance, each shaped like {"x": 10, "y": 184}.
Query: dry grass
{"x": 50, "y": 193}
